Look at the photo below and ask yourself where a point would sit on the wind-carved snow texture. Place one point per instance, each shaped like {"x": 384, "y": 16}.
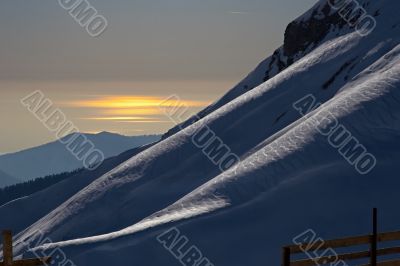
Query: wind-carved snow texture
{"x": 256, "y": 173}
{"x": 289, "y": 178}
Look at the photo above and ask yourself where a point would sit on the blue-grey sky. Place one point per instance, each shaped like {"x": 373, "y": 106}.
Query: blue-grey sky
{"x": 197, "y": 49}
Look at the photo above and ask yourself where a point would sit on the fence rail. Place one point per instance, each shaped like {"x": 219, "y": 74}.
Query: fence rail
{"x": 373, "y": 253}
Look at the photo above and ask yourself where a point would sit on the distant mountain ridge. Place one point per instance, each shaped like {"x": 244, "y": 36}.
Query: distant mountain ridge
{"x": 54, "y": 158}
{"x": 7, "y": 180}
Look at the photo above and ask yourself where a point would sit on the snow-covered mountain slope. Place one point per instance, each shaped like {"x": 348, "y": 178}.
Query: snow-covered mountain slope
{"x": 51, "y": 197}
{"x": 7, "y": 180}
{"x": 320, "y": 24}
{"x": 290, "y": 177}
{"x": 54, "y": 158}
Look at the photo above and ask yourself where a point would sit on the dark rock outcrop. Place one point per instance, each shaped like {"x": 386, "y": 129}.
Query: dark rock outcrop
{"x": 299, "y": 35}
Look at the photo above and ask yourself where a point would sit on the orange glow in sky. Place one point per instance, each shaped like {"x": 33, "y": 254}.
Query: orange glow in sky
{"x": 132, "y": 101}
{"x": 137, "y": 108}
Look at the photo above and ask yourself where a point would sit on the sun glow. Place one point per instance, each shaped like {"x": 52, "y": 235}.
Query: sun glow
{"x": 133, "y": 102}
{"x": 126, "y": 119}
{"x": 133, "y": 109}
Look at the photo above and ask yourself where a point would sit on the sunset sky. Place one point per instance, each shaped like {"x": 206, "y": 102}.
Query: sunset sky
{"x": 151, "y": 49}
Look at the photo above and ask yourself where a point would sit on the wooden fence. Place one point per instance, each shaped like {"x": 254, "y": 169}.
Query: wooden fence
{"x": 372, "y": 253}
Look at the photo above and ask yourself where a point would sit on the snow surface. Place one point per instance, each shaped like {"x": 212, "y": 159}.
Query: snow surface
{"x": 289, "y": 178}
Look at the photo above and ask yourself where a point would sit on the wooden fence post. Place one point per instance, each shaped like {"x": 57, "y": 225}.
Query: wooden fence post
{"x": 286, "y": 256}
{"x": 7, "y": 248}
{"x": 8, "y": 254}
{"x": 374, "y": 238}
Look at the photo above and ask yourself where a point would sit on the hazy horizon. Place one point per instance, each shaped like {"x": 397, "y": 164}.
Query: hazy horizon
{"x": 197, "y": 50}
